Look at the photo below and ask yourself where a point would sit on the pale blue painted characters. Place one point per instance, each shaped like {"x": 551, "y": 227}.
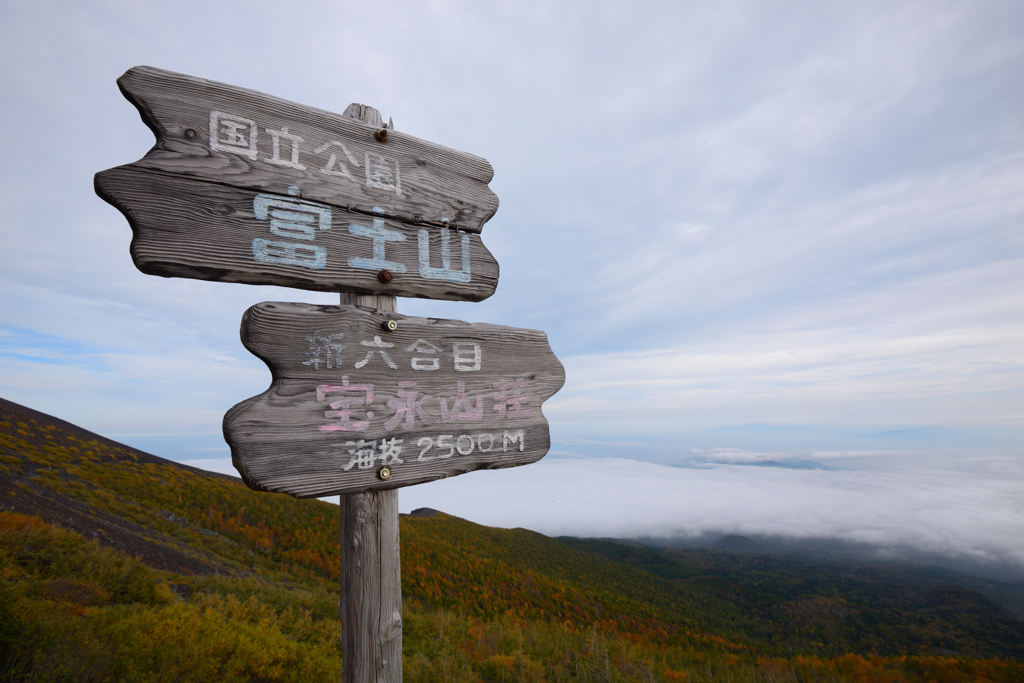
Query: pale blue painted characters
{"x": 291, "y": 218}
{"x": 445, "y": 272}
{"x": 380, "y": 236}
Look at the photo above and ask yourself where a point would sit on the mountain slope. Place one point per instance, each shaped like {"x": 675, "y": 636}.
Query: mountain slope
{"x": 143, "y": 568}
{"x": 840, "y": 606}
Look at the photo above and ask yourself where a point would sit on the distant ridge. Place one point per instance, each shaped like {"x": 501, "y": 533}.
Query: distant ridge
{"x": 10, "y": 409}
{"x": 425, "y": 513}
{"x": 19, "y": 493}
{"x": 737, "y": 544}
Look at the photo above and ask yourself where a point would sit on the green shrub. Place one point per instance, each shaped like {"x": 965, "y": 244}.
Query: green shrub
{"x": 43, "y": 551}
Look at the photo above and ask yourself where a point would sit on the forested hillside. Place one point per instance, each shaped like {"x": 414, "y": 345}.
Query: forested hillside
{"x": 118, "y": 565}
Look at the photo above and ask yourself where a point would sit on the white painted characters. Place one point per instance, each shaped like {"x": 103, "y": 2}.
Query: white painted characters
{"x": 382, "y": 172}
{"x": 233, "y": 133}
{"x": 367, "y": 455}
{"x": 334, "y": 166}
{"x": 425, "y": 363}
{"x": 467, "y": 356}
{"x": 319, "y": 344}
{"x": 364, "y": 455}
{"x": 377, "y": 346}
{"x": 290, "y": 141}
{"x": 423, "y": 356}
{"x": 465, "y": 443}
{"x": 240, "y": 135}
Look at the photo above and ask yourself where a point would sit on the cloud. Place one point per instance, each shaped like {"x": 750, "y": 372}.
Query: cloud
{"x": 739, "y": 456}
{"x": 909, "y": 512}
{"x": 809, "y": 369}
{"x": 947, "y": 513}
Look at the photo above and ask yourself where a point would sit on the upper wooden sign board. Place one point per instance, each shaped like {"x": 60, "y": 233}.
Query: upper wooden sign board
{"x": 427, "y": 400}
{"x": 245, "y": 187}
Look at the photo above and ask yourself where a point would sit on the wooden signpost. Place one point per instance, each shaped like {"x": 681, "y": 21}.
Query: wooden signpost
{"x": 245, "y": 187}
{"x": 355, "y": 406}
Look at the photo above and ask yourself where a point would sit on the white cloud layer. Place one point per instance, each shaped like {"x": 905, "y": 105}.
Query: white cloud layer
{"x": 939, "y": 512}
{"x": 971, "y": 516}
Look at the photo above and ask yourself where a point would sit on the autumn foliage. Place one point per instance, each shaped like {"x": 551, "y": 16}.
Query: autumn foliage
{"x": 248, "y": 588}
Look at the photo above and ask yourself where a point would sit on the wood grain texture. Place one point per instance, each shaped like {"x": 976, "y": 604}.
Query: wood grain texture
{"x": 184, "y": 227}
{"x": 226, "y": 134}
{"x": 370, "y": 607}
{"x": 325, "y": 426}
{"x": 380, "y": 302}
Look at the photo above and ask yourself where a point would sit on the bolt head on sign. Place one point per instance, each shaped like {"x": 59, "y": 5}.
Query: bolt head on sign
{"x": 245, "y": 187}
{"x": 357, "y": 405}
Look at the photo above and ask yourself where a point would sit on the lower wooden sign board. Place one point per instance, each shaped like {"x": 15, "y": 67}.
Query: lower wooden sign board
{"x": 363, "y": 400}
{"x": 183, "y": 227}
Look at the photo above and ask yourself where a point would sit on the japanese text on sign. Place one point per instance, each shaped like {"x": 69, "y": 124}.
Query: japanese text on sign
{"x": 366, "y": 455}
{"x": 239, "y": 135}
{"x": 293, "y": 219}
{"x": 350, "y": 405}
{"x": 422, "y": 355}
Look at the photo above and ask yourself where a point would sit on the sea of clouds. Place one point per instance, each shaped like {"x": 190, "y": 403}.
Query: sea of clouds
{"x": 970, "y": 519}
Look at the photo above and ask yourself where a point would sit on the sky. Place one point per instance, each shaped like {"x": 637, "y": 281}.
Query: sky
{"x": 778, "y": 246}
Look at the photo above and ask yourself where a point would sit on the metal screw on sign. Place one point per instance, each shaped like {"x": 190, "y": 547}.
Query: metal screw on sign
{"x": 384, "y": 276}
{"x": 381, "y": 135}
{"x": 384, "y": 473}
{"x": 389, "y": 325}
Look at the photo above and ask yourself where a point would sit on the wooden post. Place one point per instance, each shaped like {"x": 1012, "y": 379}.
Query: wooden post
{"x": 371, "y": 588}
{"x": 370, "y": 607}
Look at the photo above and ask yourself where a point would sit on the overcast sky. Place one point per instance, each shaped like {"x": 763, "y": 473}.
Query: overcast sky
{"x": 753, "y": 231}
